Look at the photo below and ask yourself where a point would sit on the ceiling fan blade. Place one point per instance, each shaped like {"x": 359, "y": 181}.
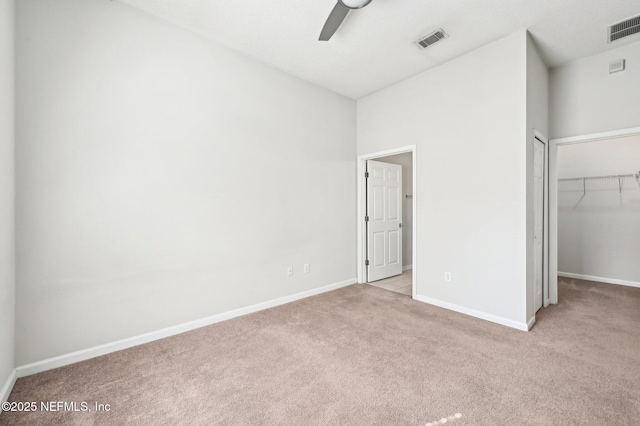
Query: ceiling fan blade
{"x": 333, "y": 21}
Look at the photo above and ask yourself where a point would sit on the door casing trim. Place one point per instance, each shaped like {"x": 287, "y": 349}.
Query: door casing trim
{"x": 546, "y": 288}
{"x": 553, "y": 193}
{"x": 361, "y": 190}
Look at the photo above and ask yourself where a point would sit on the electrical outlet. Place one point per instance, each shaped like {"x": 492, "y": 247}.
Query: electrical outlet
{"x": 306, "y": 268}
{"x": 289, "y": 270}
{"x": 447, "y": 276}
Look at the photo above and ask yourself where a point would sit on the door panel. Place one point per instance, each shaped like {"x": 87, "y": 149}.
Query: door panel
{"x": 394, "y": 247}
{"x": 378, "y": 203}
{"x": 384, "y": 228}
{"x": 378, "y": 252}
{"x": 394, "y": 199}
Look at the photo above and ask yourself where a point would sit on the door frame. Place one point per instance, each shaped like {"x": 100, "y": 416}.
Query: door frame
{"x": 553, "y": 193}
{"x": 546, "y": 300}
{"x": 361, "y": 207}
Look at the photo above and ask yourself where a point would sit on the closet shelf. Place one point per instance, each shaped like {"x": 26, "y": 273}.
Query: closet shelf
{"x": 636, "y": 175}
{"x": 585, "y": 178}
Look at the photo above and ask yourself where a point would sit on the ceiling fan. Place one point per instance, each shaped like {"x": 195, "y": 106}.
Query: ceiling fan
{"x": 338, "y": 14}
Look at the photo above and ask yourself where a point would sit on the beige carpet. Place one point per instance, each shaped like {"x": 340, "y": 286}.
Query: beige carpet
{"x": 364, "y": 355}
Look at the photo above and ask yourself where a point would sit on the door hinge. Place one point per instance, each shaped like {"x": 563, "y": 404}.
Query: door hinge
{"x": 366, "y": 174}
{"x": 366, "y": 262}
{"x": 366, "y": 218}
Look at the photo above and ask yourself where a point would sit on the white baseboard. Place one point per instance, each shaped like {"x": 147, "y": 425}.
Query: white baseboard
{"x": 530, "y": 323}
{"x": 84, "y": 354}
{"x": 8, "y": 386}
{"x": 407, "y": 267}
{"x": 599, "y": 279}
{"x": 472, "y": 312}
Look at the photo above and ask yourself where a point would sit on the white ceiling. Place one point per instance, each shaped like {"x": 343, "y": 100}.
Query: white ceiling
{"x": 374, "y": 46}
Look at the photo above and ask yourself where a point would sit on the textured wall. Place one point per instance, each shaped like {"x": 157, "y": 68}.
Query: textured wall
{"x": 7, "y": 243}
{"x": 467, "y": 118}
{"x": 163, "y": 179}
{"x": 585, "y": 98}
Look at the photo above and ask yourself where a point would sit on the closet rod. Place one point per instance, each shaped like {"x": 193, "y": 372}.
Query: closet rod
{"x": 584, "y": 180}
{"x": 601, "y": 177}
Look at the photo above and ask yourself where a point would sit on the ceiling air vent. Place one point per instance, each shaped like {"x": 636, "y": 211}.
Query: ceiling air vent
{"x": 624, "y": 28}
{"x": 430, "y": 39}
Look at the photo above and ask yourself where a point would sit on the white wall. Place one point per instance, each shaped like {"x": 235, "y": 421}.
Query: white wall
{"x": 406, "y": 161}
{"x": 585, "y": 98}
{"x": 468, "y": 119}
{"x": 608, "y": 157}
{"x": 163, "y": 179}
{"x": 598, "y": 233}
{"x": 7, "y": 244}
{"x": 537, "y": 119}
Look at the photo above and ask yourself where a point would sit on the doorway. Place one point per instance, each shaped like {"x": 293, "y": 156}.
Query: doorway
{"x": 384, "y": 218}
{"x": 404, "y": 158}
{"x": 554, "y": 206}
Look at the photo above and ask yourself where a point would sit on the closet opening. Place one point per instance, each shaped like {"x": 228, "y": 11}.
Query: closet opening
{"x": 595, "y": 214}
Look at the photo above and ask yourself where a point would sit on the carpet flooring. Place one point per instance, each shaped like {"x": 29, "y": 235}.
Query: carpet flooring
{"x": 363, "y": 355}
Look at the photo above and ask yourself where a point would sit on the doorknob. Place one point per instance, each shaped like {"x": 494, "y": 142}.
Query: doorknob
{"x": 399, "y": 225}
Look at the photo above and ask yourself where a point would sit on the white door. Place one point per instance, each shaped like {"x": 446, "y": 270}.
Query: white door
{"x": 384, "y": 220}
{"x": 538, "y": 220}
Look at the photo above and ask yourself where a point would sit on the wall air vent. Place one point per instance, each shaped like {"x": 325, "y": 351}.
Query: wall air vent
{"x": 430, "y": 39}
{"x": 616, "y": 66}
{"x": 624, "y": 28}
